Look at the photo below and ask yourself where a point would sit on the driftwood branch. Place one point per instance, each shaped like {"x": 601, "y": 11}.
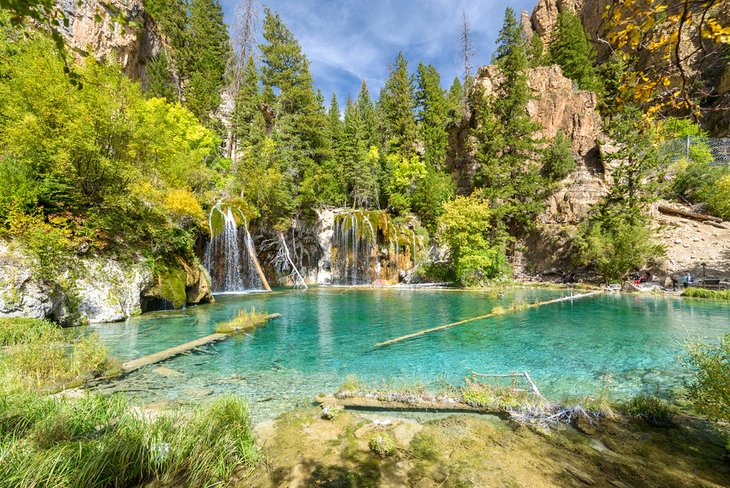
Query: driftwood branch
{"x": 666, "y": 209}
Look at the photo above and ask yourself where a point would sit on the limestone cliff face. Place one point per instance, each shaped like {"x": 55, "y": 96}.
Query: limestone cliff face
{"x": 556, "y": 106}
{"x": 93, "y": 30}
{"x": 100, "y": 289}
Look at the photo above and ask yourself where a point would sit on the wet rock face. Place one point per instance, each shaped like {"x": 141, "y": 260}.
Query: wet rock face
{"x": 173, "y": 287}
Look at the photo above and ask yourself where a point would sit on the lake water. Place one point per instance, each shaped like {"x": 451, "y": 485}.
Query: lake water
{"x": 325, "y": 334}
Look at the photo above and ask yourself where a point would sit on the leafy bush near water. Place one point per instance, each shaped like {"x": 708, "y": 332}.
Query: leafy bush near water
{"x": 709, "y": 389}
{"x": 98, "y": 441}
{"x": 705, "y": 293}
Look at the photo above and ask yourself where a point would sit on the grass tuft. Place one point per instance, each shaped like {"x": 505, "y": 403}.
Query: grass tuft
{"x": 99, "y": 441}
{"x": 382, "y": 444}
{"x": 243, "y": 321}
{"x": 41, "y": 358}
{"x": 653, "y": 410}
{"x": 705, "y": 293}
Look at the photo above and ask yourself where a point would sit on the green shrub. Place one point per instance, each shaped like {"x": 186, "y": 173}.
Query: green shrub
{"x": 466, "y": 228}
{"x": 382, "y": 444}
{"x": 654, "y": 411}
{"x": 22, "y": 330}
{"x": 709, "y": 389}
{"x": 705, "y": 293}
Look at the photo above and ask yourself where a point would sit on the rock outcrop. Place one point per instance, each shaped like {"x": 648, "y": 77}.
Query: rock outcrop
{"x": 98, "y": 290}
{"x": 703, "y": 62}
{"x": 94, "y": 29}
{"x": 556, "y": 106}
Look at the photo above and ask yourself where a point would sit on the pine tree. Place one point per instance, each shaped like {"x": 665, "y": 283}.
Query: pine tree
{"x": 507, "y": 149}
{"x": 247, "y": 117}
{"x": 161, "y": 83}
{"x": 571, "y": 49}
{"x": 359, "y": 160}
{"x": 432, "y": 115}
{"x": 366, "y": 109}
{"x": 536, "y": 52}
{"x": 299, "y": 113}
{"x": 209, "y": 51}
{"x": 398, "y": 104}
{"x": 456, "y": 101}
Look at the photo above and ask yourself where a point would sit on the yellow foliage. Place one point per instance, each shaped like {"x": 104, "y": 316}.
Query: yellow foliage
{"x": 183, "y": 203}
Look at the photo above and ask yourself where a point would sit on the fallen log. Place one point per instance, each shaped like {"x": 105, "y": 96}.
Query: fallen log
{"x": 186, "y": 348}
{"x": 493, "y": 313}
{"x": 157, "y": 357}
{"x": 666, "y": 209}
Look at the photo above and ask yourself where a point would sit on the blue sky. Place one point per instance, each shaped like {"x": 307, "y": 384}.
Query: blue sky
{"x": 350, "y": 41}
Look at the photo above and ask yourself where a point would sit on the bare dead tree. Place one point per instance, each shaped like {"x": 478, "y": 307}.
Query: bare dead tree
{"x": 243, "y": 42}
{"x": 467, "y": 51}
{"x": 244, "y": 36}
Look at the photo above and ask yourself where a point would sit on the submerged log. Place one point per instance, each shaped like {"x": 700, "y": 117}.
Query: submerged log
{"x": 365, "y": 403}
{"x": 493, "y": 313}
{"x": 157, "y": 357}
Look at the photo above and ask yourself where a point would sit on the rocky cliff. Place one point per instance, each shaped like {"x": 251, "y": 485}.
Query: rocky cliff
{"x": 95, "y": 29}
{"x": 98, "y": 289}
{"x": 703, "y": 62}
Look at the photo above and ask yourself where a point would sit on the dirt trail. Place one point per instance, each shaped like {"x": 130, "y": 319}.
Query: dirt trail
{"x": 302, "y": 450}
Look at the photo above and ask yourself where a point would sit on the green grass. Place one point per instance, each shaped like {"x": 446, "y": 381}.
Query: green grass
{"x": 653, "y": 410}
{"x": 38, "y": 357}
{"x": 705, "y": 293}
{"x": 243, "y": 321}
{"x": 21, "y": 330}
{"x": 98, "y": 441}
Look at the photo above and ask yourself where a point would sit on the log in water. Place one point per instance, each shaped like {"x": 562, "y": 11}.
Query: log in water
{"x": 157, "y": 357}
{"x": 482, "y": 317}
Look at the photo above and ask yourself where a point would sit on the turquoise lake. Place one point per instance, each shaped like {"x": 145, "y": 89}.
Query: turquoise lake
{"x": 325, "y": 334}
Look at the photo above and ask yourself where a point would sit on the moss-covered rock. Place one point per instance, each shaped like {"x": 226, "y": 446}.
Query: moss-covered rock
{"x": 165, "y": 290}
{"x": 174, "y": 285}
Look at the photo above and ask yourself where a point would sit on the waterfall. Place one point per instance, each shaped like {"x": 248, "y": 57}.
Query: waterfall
{"x": 231, "y": 267}
{"x": 366, "y": 248}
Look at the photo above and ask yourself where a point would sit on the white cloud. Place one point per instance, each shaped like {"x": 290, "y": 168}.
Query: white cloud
{"x": 347, "y": 41}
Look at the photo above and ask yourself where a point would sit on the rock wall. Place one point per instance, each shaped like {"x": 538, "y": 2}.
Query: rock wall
{"x": 93, "y": 30}
{"x": 702, "y": 61}
{"x": 557, "y": 106}
{"x": 99, "y": 289}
